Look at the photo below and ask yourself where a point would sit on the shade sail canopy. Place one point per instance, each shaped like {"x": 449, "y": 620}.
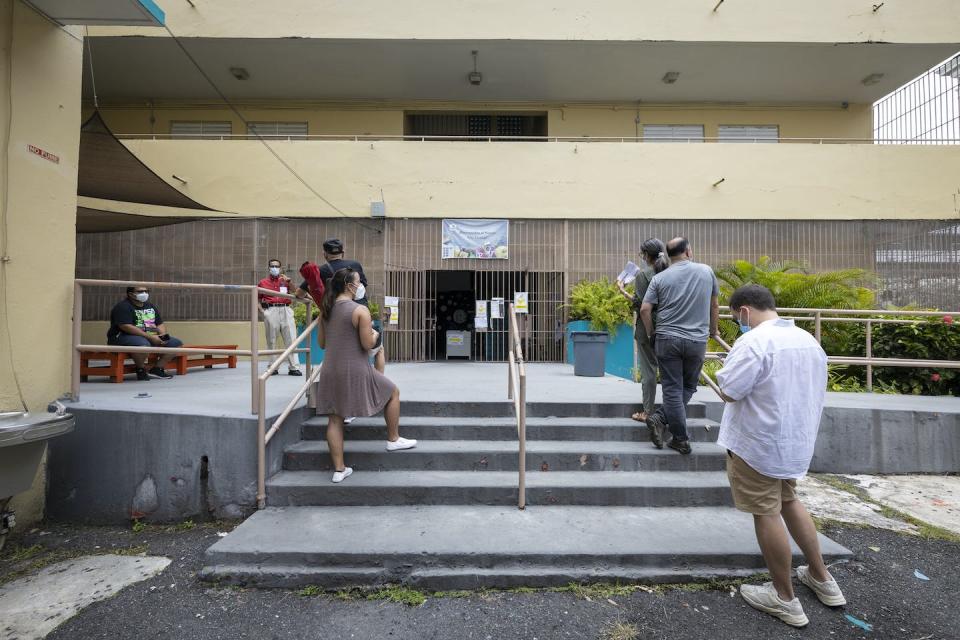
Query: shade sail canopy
{"x": 109, "y": 171}
{"x": 133, "y": 13}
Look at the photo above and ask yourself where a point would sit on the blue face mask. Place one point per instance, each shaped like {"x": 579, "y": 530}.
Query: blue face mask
{"x": 744, "y": 327}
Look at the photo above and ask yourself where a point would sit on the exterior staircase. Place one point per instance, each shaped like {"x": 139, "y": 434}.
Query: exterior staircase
{"x": 603, "y": 505}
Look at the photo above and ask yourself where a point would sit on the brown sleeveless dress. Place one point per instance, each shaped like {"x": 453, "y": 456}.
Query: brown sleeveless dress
{"x": 348, "y": 385}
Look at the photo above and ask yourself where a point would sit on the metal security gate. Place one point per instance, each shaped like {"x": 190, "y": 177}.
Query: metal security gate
{"x": 413, "y": 338}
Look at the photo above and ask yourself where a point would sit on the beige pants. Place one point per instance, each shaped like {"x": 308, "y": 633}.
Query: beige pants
{"x": 279, "y": 320}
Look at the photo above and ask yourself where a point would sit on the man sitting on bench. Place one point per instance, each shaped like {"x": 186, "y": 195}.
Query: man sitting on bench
{"x": 134, "y": 322}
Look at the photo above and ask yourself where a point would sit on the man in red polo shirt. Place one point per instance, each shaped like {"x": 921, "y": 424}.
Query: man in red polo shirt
{"x": 277, "y": 314}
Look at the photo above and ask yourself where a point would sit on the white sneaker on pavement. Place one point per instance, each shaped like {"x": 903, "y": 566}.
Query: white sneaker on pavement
{"x": 764, "y": 598}
{"x": 340, "y": 476}
{"x": 828, "y": 592}
{"x": 400, "y": 444}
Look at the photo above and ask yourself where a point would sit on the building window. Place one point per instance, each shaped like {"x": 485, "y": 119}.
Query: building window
{"x": 296, "y": 130}
{"x": 748, "y": 133}
{"x": 479, "y": 125}
{"x": 200, "y": 128}
{"x": 673, "y": 132}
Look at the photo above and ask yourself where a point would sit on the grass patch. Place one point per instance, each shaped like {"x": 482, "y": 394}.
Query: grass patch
{"x": 400, "y": 595}
{"x": 138, "y": 550}
{"x": 19, "y": 554}
{"x": 350, "y": 593}
{"x": 186, "y": 525}
{"x": 925, "y": 530}
{"x": 718, "y": 584}
{"x": 822, "y": 524}
{"x": 310, "y": 591}
{"x": 455, "y": 594}
{"x": 139, "y": 526}
{"x": 620, "y": 631}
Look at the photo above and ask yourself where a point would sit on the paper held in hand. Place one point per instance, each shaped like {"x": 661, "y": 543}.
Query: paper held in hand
{"x": 629, "y": 273}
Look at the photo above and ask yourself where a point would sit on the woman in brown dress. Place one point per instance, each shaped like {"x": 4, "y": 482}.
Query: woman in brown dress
{"x": 348, "y": 385}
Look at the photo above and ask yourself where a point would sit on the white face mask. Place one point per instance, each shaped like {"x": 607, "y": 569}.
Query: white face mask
{"x": 361, "y": 292}
{"x": 143, "y": 297}
{"x": 274, "y": 271}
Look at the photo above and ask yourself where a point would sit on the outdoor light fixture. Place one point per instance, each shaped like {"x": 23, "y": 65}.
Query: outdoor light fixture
{"x": 670, "y": 77}
{"x": 475, "y": 77}
{"x": 873, "y": 78}
{"x": 239, "y": 73}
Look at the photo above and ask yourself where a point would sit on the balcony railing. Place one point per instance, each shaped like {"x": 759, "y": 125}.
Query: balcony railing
{"x": 577, "y": 139}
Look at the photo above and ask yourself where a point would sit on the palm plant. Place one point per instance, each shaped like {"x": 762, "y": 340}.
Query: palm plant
{"x": 793, "y": 286}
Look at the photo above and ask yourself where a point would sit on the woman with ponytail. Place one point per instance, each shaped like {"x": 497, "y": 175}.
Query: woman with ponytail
{"x": 655, "y": 260}
{"x": 348, "y": 385}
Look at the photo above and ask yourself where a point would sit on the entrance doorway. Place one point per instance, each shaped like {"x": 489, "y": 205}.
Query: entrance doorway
{"x": 435, "y": 302}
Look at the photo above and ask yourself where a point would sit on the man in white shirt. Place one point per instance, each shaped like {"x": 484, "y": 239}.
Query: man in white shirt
{"x": 774, "y": 380}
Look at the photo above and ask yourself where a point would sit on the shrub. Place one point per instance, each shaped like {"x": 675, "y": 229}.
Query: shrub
{"x": 931, "y": 339}
{"x": 794, "y": 287}
{"x": 600, "y": 302}
{"x": 300, "y": 314}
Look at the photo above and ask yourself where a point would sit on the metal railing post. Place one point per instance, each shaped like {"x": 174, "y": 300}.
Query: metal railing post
{"x": 869, "y": 355}
{"x": 254, "y": 350}
{"x": 261, "y": 445}
{"x": 76, "y": 337}
{"x": 511, "y": 354}
{"x": 817, "y": 326}
{"x": 523, "y": 439}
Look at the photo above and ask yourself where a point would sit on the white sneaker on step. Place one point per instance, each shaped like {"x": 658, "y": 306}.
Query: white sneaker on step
{"x": 764, "y": 598}
{"x": 340, "y": 476}
{"x": 400, "y": 444}
{"x": 828, "y": 592}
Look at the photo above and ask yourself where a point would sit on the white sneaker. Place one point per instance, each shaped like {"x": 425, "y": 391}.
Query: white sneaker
{"x": 340, "y": 476}
{"x": 764, "y": 598}
{"x": 401, "y": 443}
{"x": 349, "y": 420}
{"x": 828, "y": 592}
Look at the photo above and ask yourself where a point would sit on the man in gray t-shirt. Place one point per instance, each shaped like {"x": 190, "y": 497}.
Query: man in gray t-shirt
{"x": 685, "y": 296}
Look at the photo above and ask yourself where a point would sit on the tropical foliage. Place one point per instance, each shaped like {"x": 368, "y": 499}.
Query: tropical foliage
{"x": 793, "y": 286}
{"x": 600, "y": 302}
{"x": 929, "y": 339}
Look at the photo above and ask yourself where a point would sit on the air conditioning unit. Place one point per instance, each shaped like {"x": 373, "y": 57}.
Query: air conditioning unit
{"x": 378, "y": 209}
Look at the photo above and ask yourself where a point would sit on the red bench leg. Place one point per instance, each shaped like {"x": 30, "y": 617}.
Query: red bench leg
{"x": 116, "y": 366}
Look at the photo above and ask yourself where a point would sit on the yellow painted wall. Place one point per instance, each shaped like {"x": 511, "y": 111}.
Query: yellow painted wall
{"x": 920, "y": 21}
{"x": 566, "y": 179}
{"x": 799, "y": 121}
{"x": 38, "y": 198}
{"x": 320, "y": 121}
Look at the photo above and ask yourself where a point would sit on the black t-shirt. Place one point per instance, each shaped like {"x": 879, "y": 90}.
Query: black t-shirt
{"x": 146, "y": 318}
{"x": 327, "y": 270}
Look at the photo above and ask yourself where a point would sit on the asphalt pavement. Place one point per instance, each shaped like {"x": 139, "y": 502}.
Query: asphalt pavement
{"x": 880, "y": 584}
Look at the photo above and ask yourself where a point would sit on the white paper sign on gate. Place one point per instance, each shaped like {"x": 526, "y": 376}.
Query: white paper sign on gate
{"x": 521, "y": 302}
{"x": 480, "y": 318}
{"x": 496, "y": 308}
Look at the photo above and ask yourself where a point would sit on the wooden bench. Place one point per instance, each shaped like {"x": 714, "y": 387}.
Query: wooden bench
{"x": 117, "y": 366}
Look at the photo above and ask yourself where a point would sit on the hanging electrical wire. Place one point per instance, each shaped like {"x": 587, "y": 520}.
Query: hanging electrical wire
{"x": 262, "y": 140}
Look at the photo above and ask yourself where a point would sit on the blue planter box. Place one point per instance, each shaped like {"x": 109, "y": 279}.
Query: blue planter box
{"x": 619, "y": 354}
{"x": 316, "y": 353}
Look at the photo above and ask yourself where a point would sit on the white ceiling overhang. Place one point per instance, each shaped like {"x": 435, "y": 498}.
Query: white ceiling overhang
{"x": 137, "y": 69}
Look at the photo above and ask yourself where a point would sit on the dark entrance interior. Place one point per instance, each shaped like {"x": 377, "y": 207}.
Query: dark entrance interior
{"x": 433, "y": 302}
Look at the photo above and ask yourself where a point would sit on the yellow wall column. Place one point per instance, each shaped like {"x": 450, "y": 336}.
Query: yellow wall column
{"x": 40, "y": 75}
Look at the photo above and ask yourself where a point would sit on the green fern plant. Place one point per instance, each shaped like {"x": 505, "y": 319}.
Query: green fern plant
{"x": 600, "y": 302}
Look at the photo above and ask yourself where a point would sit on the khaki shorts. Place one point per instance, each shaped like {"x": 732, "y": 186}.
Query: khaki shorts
{"x": 754, "y": 492}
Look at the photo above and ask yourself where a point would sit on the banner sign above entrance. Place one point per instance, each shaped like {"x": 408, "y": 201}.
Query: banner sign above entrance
{"x": 480, "y": 239}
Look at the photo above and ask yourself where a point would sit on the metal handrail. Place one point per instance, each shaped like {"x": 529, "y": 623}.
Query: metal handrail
{"x": 264, "y": 436}
{"x": 487, "y": 138}
{"x": 517, "y": 391}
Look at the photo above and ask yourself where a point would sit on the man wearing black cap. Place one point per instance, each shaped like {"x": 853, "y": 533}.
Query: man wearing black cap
{"x": 333, "y": 253}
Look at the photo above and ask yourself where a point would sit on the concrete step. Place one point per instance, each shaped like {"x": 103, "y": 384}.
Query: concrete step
{"x": 372, "y": 488}
{"x": 502, "y": 455}
{"x": 503, "y": 408}
{"x": 505, "y": 428}
{"x": 438, "y": 547}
